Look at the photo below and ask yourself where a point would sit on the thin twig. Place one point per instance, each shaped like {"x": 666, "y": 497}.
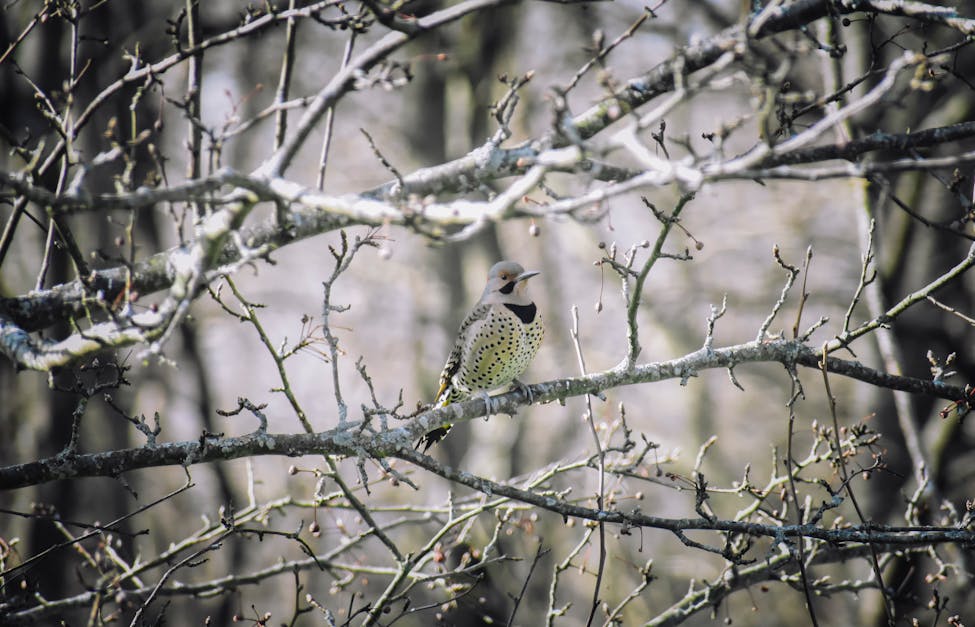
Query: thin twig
{"x": 800, "y": 512}
{"x": 330, "y": 116}
{"x": 636, "y": 297}
{"x": 590, "y": 419}
{"x": 539, "y": 553}
{"x": 284, "y": 78}
{"x": 792, "y": 273}
{"x": 603, "y": 51}
{"x": 803, "y": 294}
{"x": 889, "y": 606}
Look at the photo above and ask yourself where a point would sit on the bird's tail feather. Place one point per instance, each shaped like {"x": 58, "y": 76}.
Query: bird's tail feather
{"x": 434, "y": 436}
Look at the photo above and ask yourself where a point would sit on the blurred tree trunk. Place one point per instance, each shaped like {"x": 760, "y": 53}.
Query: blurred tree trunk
{"x": 926, "y": 327}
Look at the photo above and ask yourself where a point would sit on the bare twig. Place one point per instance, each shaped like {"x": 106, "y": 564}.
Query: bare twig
{"x": 792, "y": 273}
{"x": 889, "y": 606}
{"x": 330, "y": 116}
{"x": 633, "y": 306}
{"x": 800, "y": 542}
{"x": 539, "y": 553}
{"x": 600, "y": 496}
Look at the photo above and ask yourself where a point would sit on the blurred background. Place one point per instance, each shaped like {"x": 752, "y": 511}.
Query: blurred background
{"x": 408, "y": 298}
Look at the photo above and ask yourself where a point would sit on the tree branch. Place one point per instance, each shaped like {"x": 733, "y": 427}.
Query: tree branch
{"x": 349, "y": 440}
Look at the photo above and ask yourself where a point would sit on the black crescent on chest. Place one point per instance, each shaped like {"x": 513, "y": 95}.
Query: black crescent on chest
{"x": 525, "y": 313}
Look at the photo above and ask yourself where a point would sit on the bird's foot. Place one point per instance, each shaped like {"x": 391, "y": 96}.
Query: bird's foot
{"x": 524, "y": 389}
{"x": 490, "y": 403}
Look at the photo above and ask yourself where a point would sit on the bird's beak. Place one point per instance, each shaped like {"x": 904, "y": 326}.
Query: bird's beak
{"x": 526, "y": 275}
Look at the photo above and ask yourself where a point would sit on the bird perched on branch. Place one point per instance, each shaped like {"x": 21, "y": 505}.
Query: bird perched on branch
{"x": 495, "y": 344}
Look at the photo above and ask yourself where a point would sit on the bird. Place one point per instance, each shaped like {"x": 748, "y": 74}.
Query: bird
{"x": 495, "y": 343}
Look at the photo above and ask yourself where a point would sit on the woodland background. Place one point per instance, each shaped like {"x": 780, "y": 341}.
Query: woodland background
{"x": 163, "y": 190}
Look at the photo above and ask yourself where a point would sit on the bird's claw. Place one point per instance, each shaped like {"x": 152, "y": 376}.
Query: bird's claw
{"x": 524, "y": 389}
{"x": 490, "y": 403}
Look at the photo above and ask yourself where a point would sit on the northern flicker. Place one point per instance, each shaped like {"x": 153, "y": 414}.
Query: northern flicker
{"x": 495, "y": 343}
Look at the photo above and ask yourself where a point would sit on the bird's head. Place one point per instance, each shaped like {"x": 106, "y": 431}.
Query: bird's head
{"x": 507, "y": 283}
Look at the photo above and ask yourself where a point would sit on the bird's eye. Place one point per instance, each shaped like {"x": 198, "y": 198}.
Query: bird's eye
{"x": 504, "y": 277}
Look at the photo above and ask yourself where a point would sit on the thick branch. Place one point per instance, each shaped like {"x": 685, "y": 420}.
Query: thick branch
{"x": 315, "y": 212}
{"x": 349, "y": 440}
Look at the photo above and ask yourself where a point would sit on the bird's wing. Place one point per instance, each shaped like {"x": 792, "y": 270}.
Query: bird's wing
{"x": 477, "y": 315}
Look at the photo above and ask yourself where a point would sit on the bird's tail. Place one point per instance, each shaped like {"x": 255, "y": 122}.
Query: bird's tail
{"x": 434, "y": 436}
